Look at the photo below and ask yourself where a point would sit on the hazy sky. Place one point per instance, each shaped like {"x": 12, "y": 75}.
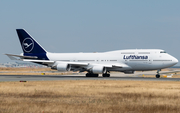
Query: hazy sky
{"x": 91, "y": 25}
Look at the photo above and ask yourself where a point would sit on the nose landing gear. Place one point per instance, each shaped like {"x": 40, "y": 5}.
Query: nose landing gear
{"x": 158, "y": 75}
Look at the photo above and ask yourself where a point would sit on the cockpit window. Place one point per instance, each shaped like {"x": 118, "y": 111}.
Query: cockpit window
{"x": 162, "y": 51}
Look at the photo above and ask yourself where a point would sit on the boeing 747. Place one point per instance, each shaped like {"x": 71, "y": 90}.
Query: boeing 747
{"x": 126, "y": 61}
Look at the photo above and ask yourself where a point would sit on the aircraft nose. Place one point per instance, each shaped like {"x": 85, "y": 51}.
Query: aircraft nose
{"x": 175, "y": 61}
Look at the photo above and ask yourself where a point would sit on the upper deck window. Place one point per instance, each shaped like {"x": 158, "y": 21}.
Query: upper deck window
{"x": 162, "y": 51}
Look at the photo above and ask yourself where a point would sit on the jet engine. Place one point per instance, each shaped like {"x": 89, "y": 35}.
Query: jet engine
{"x": 98, "y": 70}
{"x": 62, "y": 67}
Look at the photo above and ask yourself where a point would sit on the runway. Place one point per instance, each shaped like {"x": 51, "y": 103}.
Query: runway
{"x": 77, "y": 77}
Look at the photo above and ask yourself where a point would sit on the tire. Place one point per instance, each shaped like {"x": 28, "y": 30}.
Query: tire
{"x": 87, "y": 75}
{"x": 91, "y": 75}
{"x": 157, "y": 76}
{"x": 106, "y": 75}
{"x": 95, "y": 75}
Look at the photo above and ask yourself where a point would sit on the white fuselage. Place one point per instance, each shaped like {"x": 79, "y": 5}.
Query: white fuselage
{"x": 135, "y": 59}
{"x": 126, "y": 61}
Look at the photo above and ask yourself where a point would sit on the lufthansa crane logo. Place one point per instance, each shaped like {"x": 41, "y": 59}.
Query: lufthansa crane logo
{"x": 28, "y": 45}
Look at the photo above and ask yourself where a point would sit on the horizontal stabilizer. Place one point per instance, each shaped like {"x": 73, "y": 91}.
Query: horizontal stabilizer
{"x": 12, "y": 58}
{"x": 40, "y": 61}
{"x": 11, "y": 55}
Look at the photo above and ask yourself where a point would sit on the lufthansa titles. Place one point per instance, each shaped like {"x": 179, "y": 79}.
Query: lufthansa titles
{"x": 135, "y": 57}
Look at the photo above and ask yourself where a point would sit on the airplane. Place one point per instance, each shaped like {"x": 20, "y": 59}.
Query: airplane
{"x": 126, "y": 61}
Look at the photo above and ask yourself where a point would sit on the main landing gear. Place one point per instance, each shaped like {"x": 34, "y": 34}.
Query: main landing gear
{"x": 91, "y": 75}
{"x": 106, "y": 75}
{"x": 96, "y": 75}
{"x": 158, "y": 75}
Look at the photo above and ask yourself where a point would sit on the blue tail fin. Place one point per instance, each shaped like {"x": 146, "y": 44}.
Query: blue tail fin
{"x": 30, "y": 46}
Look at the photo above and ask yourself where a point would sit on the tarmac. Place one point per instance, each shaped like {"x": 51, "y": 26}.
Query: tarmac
{"x": 114, "y": 76}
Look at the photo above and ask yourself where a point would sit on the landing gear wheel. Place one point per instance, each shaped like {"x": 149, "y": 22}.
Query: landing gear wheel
{"x": 88, "y": 75}
{"x": 91, "y": 75}
{"x": 157, "y": 76}
{"x": 95, "y": 75}
{"x": 106, "y": 75}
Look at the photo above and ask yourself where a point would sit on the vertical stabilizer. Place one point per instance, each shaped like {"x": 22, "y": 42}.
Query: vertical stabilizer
{"x": 28, "y": 44}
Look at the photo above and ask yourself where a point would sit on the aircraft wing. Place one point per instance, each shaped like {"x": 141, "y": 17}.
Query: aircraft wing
{"x": 75, "y": 66}
{"x": 51, "y": 63}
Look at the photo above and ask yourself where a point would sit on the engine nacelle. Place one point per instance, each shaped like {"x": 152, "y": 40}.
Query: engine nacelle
{"x": 128, "y": 72}
{"x": 63, "y": 67}
{"x": 98, "y": 70}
